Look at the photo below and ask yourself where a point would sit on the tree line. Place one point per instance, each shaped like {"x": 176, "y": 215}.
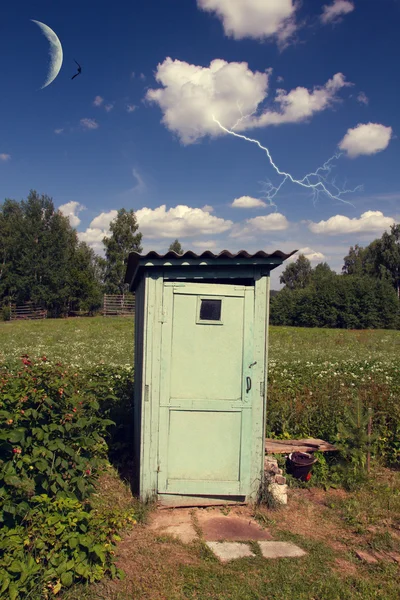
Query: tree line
{"x": 365, "y": 295}
{"x": 43, "y": 261}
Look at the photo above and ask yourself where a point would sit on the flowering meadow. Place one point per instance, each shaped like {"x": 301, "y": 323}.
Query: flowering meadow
{"x": 313, "y": 373}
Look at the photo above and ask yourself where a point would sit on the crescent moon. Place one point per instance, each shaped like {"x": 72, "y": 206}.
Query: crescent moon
{"x": 55, "y": 51}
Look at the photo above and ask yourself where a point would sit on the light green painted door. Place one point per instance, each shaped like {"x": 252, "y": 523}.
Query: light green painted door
{"x": 206, "y": 389}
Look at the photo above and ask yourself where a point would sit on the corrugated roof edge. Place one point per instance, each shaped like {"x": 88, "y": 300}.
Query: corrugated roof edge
{"x": 136, "y": 257}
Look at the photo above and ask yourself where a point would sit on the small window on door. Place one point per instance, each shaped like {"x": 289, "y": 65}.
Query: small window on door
{"x": 210, "y": 311}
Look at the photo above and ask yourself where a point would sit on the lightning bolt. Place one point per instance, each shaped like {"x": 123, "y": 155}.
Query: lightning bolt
{"x": 316, "y": 181}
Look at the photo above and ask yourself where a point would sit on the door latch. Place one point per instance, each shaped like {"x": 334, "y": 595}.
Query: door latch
{"x": 248, "y": 384}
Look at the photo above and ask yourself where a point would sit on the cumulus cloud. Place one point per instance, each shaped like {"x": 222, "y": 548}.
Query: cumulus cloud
{"x": 255, "y": 19}
{"x": 108, "y": 107}
{"x": 362, "y": 98}
{"x": 103, "y": 220}
{"x": 5, "y": 157}
{"x": 89, "y": 123}
{"x": 58, "y": 131}
{"x": 312, "y": 255}
{"x": 332, "y": 13}
{"x": 368, "y": 138}
{"x": 70, "y": 210}
{"x": 272, "y": 222}
{"x": 370, "y": 221}
{"x": 208, "y": 208}
{"x": 130, "y": 108}
{"x": 247, "y": 202}
{"x": 94, "y": 238}
{"x": 180, "y": 221}
{"x": 192, "y": 95}
{"x": 98, "y": 101}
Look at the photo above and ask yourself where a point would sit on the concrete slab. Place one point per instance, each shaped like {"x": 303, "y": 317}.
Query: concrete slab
{"x": 218, "y": 527}
{"x": 177, "y": 523}
{"x": 227, "y": 551}
{"x": 280, "y": 550}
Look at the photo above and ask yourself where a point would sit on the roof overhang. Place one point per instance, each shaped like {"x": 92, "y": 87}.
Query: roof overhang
{"x": 138, "y": 263}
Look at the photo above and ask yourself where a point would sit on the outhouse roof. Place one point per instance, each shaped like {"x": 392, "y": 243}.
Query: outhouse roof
{"x": 138, "y": 262}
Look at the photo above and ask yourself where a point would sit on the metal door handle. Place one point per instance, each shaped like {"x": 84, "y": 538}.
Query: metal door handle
{"x": 248, "y": 383}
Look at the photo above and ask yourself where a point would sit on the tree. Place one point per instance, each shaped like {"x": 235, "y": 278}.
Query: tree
{"x": 297, "y": 274}
{"x": 354, "y": 262}
{"x": 122, "y": 241}
{"x": 387, "y": 257}
{"x": 41, "y": 257}
{"x": 176, "y": 247}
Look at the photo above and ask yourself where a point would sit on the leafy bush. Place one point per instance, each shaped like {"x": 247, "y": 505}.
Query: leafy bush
{"x": 54, "y": 421}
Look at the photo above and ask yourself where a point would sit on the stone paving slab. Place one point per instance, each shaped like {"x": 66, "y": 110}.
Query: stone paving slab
{"x": 227, "y": 551}
{"x": 217, "y": 527}
{"x": 280, "y": 550}
{"x": 177, "y": 523}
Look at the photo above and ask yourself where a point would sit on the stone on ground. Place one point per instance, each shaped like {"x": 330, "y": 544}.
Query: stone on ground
{"x": 227, "y": 551}
{"x": 280, "y": 550}
{"x": 235, "y": 528}
{"x": 177, "y": 523}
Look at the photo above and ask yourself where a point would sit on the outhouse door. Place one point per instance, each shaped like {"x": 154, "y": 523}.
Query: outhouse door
{"x": 206, "y": 389}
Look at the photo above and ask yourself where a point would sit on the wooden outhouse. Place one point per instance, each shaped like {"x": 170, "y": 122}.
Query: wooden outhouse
{"x": 201, "y": 349}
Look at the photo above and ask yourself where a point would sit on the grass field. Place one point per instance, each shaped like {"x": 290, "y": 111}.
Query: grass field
{"x": 312, "y": 375}
{"x": 88, "y": 341}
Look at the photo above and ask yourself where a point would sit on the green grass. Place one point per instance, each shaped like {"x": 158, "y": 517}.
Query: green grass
{"x": 88, "y": 341}
{"x": 78, "y": 341}
{"x": 305, "y": 364}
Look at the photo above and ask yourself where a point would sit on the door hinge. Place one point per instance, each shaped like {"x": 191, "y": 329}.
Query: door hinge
{"x": 262, "y": 388}
{"x": 146, "y": 393}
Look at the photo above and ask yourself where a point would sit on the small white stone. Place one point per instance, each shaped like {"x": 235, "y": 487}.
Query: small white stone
{"x": 279, "y": 492}
{"x": 227, "y": 551}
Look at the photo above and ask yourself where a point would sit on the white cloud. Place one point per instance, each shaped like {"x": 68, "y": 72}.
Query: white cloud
{"x": 192, "y": 95}
{"x": 272, "y": 222}
{"x": 333, "y": 12}
{"x": 368, "y": 138}
{"x": 94, "y": 238}
{"x": 370, "y": 221}
{"x": 5, "y": 157}
{"x": 309, "y": 253}
{"x": 108, "y": 107}
{"x": 103, "y": 220}
{"x": 130, "y": 108}
{"x": 140, "y": 185}
{"x": 205, "y": 245}
{"x": 70, "y": 210}
{"x": 180, "y": 221}
{"x": 251, "y": 227}
{"x": 89, "y": 123}
{"x": 208, "y": 208}
{"x": 142, "y": 76}
{"x": 58, "y": 131}
{"x": 98, "y": 101}
{"x": 259, "y": 19}
{"x": 247, "y": 202}
{"x": 362, "y": 98}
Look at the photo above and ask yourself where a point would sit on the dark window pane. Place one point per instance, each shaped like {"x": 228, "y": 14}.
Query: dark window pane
{"x": 210, "y": 310}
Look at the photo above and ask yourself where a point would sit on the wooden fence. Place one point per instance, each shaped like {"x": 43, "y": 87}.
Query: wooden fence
{"x": 121, "y": 305}
{"x": 27, "y": 311}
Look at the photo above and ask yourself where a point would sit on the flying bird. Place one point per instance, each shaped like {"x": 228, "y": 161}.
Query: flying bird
{"x": 79, "y": 70}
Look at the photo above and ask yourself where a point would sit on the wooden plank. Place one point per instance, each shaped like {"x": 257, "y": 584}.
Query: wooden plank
{"x": 307, "y": 445}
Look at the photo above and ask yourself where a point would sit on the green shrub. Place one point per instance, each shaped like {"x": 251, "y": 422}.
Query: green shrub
{"x": 54, "y": 422}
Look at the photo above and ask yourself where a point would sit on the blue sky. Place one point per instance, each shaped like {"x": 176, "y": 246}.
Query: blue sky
{"x": 136, "y": 129}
